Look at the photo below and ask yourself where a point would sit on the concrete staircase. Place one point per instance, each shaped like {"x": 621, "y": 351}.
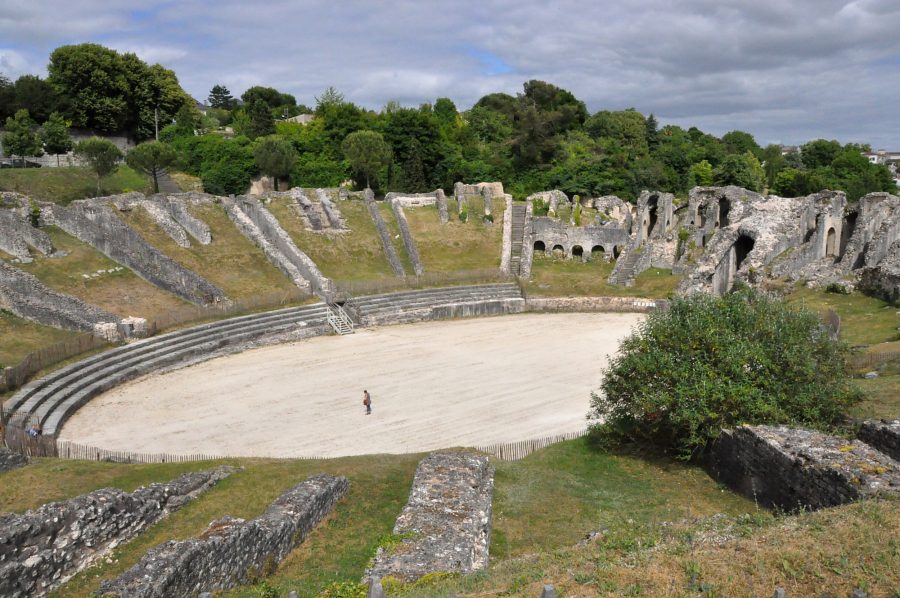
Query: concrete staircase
{"x": 52, "y": 399}
{"x": 339, "y": 320}
{"x": 439, "y": 303}
{"x": 623, "y": 273}
{"x": 518, "y": 234}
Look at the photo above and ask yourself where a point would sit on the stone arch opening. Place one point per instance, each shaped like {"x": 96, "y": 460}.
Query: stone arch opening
{"x": 577, "y": 251}
{"x": 617, "y": 251}
{"x": 847, "y": 231}
{"x": 742, "y": 247}
{"x": 701, "y": 214}
{"x": 558, "y": 251}
{"x": 652, "y": 216}
{"x": 724, "y": 209}
{"x": 831, "y": 243}
{"x": 539, "y": 246}
{"x": 597, "y": 252}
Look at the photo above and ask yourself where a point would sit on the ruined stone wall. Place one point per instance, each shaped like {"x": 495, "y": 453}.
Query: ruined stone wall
{"x": 178, "y": 208}
{"x": 231, "y": 551}
{"x": 27, "y": 297}
{"x": 553, "y": 232}
{"x": 883, "y": 280}
{"x": 10, "y": 460}
{"x": 389, "y": 251}
{"x": 408, "y": 242}
{"x": 882, "y": 435}
{"x": 794, "y": 468}
{"x": 594, "y": 304}
{"x": 331, "y": 211}
{"x": 551, "y": 198}
{"x": 527, "y": 258}
{"x": 42, "y": 549}
{"x": 447, "y": 520}
{"x": 94, "y": 223}
{"x": 17, "y": 234}
{"x": 506, "y": 246}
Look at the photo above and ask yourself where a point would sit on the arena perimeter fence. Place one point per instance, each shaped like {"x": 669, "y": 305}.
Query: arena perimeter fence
{"x": 426, "y": 280}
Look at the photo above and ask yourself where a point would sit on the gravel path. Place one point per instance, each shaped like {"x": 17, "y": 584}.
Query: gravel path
{"x": 433, "y": 385}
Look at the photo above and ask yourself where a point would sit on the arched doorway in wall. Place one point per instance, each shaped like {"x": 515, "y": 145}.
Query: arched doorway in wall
{"x": 577, "y": 252}
{"x": 650, "y": 220}
{"x": 539, "y": 246}
{"x": 597, "y": 253}
{"x": 617, "y": 251}
{"x": 742, "y": 248}
{"x": 724, "y": 209}
{"x": 847, "y": 231}
{"x": 831, "y": 243}
{"x": 558, "y": 251}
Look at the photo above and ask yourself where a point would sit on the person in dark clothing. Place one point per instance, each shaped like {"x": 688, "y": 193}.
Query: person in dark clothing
{"x": 367, "y": 401}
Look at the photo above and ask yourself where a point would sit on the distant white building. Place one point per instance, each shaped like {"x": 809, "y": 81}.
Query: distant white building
{"x": 886, "y": 158}
{"x": 303, "y": 119}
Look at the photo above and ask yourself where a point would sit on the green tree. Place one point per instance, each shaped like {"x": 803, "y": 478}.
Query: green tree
{"x": 367, "y": 153}
{"x": 7, "y": 98}
{"x": 261, "y": 121}
{"x": 187, "y": 120}
{"x": 55, "y": 136}
{"x": 220, "y": 97}
{"x": 773, "y": 163}
{"x": 151, "y": 158}
{"x": 101, "y": 155}
{"x": 35, "y": 95}
{"x": 329, "y": 97}
{"x": 819, "y": 153}
{"x": 710, "y": 363}
{"x": 652, "y": 133}
{"x": 275, "y": 157}
{"x": 739, "y": 142}
{"x": 743, "y": 170}
{"x": 20, "y": 138}
{"x": 701, "y": 174}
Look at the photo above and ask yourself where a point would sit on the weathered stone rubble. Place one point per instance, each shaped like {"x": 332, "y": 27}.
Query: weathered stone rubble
{"x": 882, "y": 435}
{"x": 446, "y": 524}
{"x": 94, "y": 222}
{"x": 41, "y": 549}
{"x": 17, "y": 234}
{"x": 231, "y": 550}
{"x": 171, "y": 214}
{"x": 10, "y": 460}
{"x": 792, "y": 469}
{"x": 389, "y": 251}
{"x": 408, "y": 242}
{"x": 27, "y": 297}
{"x": 883, "y": 279}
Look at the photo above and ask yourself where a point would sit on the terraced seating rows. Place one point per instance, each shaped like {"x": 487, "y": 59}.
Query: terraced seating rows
{"x": 54, "y": 398}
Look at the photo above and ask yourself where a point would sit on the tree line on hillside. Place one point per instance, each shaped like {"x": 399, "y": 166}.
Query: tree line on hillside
{"x": 541, "y": 138}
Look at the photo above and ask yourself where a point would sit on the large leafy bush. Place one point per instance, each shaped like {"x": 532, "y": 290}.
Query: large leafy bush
{"x": 713, "y": 362}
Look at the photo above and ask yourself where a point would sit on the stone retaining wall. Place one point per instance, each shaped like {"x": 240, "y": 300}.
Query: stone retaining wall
{"x": 10, "y": 460}
{"x": 591, "y": 304}
{"x": 793, "y": 468}
{"x": 446, "y": 524}
{"x": 408, "y": 242}
{"x": 883, "y": 436}
{"x": 16, "y": 234}
{"x": 231, "y": 551}
{"x": 389, "y": 251}
{"x": 42, "y": 549}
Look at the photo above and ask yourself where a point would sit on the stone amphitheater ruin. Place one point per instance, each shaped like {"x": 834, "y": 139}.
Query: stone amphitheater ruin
{"x": 719, "y": 237}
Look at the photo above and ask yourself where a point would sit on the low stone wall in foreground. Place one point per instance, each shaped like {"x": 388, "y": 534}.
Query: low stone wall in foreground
{"x": 590, "y": 304}
{"x": 794, "y": 469}
{"x": 882, "y": 435}
{"x": 446, "y": 525}
{"x": 231, "y": 550}
{"x": 42, "y": 549}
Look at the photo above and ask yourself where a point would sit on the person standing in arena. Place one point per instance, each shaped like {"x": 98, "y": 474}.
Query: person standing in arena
{"x": 367, "y": 401}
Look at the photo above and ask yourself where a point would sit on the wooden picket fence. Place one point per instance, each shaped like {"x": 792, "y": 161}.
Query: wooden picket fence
{"x": 513, "y": 451}
{"x": 871, "y": 360}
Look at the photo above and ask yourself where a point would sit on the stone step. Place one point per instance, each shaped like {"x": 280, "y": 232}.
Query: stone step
{"x": 166, "y": 344}
{"x": 446, "y": 293}
{"x": 437, "y": 299}
{"x": 428, "y": 305}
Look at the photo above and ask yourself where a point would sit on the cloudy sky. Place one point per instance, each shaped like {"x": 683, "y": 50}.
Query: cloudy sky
{"x": 785, "y": 70}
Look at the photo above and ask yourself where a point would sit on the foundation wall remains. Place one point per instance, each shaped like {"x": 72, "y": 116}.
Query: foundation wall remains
{"x": 231, "y": 551}
{"x": 389, "y": 251}
{"x": 17, "y": 234}
{"x": 883, "y": 436}
{"x": 42, "y": 549}
{"x": 793, "y": 469}
{"x": 408, "y": 242}
{"x": 10, "y": 460}
{"x": 446, "y": 523}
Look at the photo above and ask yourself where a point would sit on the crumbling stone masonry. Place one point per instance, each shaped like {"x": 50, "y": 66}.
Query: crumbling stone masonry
{"x": 27, "y": 297}
{"x": 231, "y": 550}
{"x": 408, "y": 242}
{"x": 446, "y": 525}
{"x": 10, "y": 460}
{"x": 389, "y": 251}
{"x": 94, "y": 222}
{"x": 41, "y": 549}
{"x": 882, "y": 435}
{"x": 17, "y": 234}
{"x": 793, "y": 468}
{"x": 332, "y": 214}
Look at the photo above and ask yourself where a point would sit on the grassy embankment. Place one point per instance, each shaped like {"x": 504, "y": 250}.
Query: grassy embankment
{"x": 230, "y": 262}
{"x": 545, "y": 502}
{"x": 66, "y": 184}
{"x": 356, "y": 254}
{"x": 19, "y": 337}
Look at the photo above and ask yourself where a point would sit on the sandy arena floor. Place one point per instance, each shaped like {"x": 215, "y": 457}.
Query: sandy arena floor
{"x": 433, "y": 385}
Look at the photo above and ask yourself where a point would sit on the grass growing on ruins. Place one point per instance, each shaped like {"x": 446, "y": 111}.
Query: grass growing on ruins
{"x": 66, "y": 184}
{"x": 864, "y": 320}
{"x": 826, "y": 553}
{"x": 470, "y": 245}
{"x": 21, "y": 337}
{"x": 553, "y": 277}
{"x": 186, "y": 182}
{"x": 230, "y": 262}
{"x": 353, "y": 255}
{"x": 122, "y": 292}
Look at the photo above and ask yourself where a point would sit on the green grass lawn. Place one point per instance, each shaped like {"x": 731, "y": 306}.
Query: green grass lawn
{"x": 21, "y": 337}
{"x": 353, "y": 255}
{"x": 541, "y": 503}
{"x": 123, "y": 292}
{"x": 553, "y": 277}
{"x": 66, "y": 184}
{"x": 864, "y": 320}
{"x": 231, "y": 261}
{"x": 455, "y": 246}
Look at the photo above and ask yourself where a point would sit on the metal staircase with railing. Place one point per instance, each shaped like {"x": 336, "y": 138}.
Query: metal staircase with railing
{"x": 338, "y": 319}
